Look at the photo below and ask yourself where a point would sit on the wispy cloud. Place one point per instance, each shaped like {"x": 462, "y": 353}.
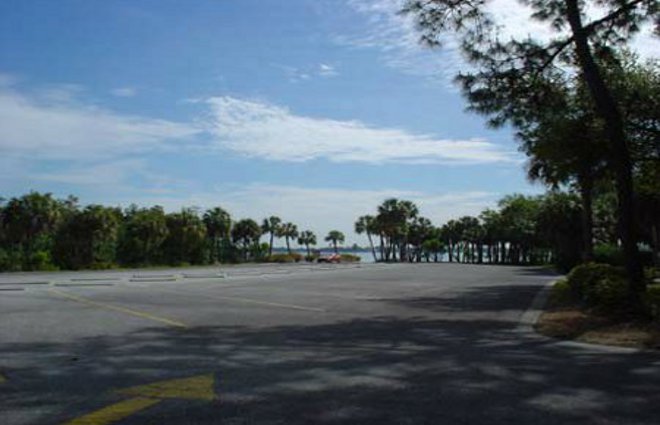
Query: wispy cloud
{"x": 297, "y": 74}
{"x": 51, "y": 125}
{"x": 59, "y": 126}
{"x": 326, "y": 70}
{"x": 272, "y": 132}
{"x": 124, "y": 91}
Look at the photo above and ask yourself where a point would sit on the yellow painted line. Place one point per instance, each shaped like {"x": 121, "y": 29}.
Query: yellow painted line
{"x": 115, "y": 412}
{"x": 192, "y": 388}
{"x": 3, "y": 379}
{"x": 244, "y": 300}
{"x": 125, "y": 310}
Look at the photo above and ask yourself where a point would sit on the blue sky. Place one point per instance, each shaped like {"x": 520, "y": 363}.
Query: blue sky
{"x": 314, "y": 110}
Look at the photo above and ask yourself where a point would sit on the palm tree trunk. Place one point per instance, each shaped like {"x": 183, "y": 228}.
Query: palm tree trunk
{"x": 373, "y": 250}
{"x": 607, "y": 109}
{"x": 270, "y": 248}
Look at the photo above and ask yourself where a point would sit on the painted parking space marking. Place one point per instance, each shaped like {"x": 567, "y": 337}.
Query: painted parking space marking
{"x": 243, "y": 300}
{"x": 144, "y": 396}
{"x": 136, "y": 313}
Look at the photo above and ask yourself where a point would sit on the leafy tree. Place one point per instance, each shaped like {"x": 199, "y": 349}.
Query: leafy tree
{"x": 288, "y": 231}
{"x": 335, "y": 237}
{"x": 142, "y": 236}
{"x": 307, "y": 238}
{"x": 367, "y": 224}
{"x": 246, "y": 234}
{"x": 88, "y": 238}
{"x": 29, "y": 224}
{"x": 185, "y": 242}
{"x": 393, "y": 220}
{"x": 433, "y": 247}
{"x": 273, "y": 226}
{"x": 419, "y": 231}
{"x": 507, "y": 76}
{"x": 218, "y": 226}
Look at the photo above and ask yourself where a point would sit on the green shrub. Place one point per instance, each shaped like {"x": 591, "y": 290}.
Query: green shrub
{"x": 311, "y": 258}
{"x": 601, "y": 287}
{"x": 608, "y": 295}
{"x": 609, "y": 254}
{"x": 350, "y": 258}
{"x": 652, "y": 301}
{"x": 39, "y": 260}
{"x": 585, "y": 276}
{"x": 561, "y": 293}
{"x": 294, "y": 257}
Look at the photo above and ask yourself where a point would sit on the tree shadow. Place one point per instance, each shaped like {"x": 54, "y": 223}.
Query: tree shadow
{"x": 382, "y": 369}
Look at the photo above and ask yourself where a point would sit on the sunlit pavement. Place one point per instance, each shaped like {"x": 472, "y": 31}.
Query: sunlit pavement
{"x": 303, "y": 344}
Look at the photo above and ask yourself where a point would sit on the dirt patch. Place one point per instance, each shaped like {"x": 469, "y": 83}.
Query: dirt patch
{"x": 575, "y": 324}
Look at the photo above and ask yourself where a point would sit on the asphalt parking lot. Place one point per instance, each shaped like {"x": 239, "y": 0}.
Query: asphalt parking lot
{"x": 303, "y": 344}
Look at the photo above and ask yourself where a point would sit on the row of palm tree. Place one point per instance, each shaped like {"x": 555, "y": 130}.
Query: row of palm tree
{"x": 522, "y": 230}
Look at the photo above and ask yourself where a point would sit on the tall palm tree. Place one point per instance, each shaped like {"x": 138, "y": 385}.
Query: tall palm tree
{"x": 335, "y": 237}
{"x": 218, "y": 225}
{"x": 366, "y": 224}
{"x": 272, "y": 226}
{"x": 307, "y": 238}
{"x": 288, "y": 231}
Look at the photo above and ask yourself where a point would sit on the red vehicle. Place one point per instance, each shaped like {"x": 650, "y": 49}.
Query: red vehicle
{"x": 334, "y": 258}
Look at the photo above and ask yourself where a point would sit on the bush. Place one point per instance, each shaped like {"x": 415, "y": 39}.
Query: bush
{"x": 39, "y": 260}
{"x": 601, "y": 287}
{"x": 585, "y": 276}
{"x": 608, "y": 295}
{"x": 652, "y": 301}
{"x": 609, "y": 254}
{"x": 561, "y": 293}
{"x": 350, "y": 258}
{"x": 294, "y": 257}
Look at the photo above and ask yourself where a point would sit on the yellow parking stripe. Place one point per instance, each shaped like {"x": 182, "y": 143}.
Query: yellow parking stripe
{"x": 242, "y": 300}
{"x": 124, "y": 310}
{"x": 115, "y": 412}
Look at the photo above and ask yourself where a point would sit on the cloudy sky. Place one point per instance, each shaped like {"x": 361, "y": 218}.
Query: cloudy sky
{"x": 313, "y": 110}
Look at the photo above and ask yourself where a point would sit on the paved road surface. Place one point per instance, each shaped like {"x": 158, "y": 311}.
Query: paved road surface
{"x": 371, "y": 344}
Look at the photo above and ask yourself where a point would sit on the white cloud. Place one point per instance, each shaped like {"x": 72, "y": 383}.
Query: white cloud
{"x": 272, "y": 132}
{"x": 326, "y": 70}
{"x": 52, "y": 126}
{"x": 124, "y": 92}
{"x": 323, "y": 209}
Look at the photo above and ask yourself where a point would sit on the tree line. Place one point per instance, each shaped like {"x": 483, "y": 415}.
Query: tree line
{"x": 521, "y": 230}
{"x": 40, "y": 232}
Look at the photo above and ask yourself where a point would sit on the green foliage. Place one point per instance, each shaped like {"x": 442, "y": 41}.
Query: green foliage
{"x": 652, "y": 301}
{"x": 292, "y": 257}
{"x": 186, "y": 238}
{"x": 608, "y": 254}
{"x": 88, "y": 238}
{"x": 601, "y": 287}
{"x": 350, "y": 258}
{"x": 561, "y": 294}
{"x": 142, "y": 236}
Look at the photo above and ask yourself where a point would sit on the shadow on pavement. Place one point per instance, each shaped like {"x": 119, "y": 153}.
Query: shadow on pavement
{"x": 378, "y": 370}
